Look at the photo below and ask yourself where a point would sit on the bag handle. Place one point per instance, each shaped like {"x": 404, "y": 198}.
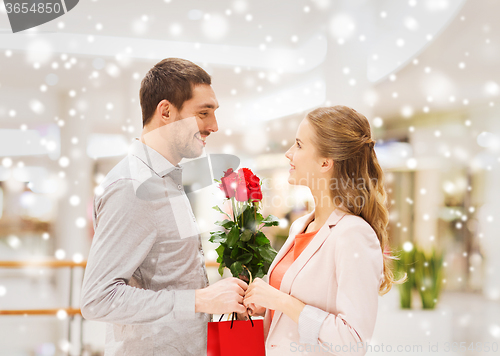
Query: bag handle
{"x": 234, "y": 315}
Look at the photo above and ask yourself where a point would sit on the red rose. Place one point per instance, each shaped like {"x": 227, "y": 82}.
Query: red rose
{"x": 255, "y": 192}
{"x": 256, "y": 195}
{"x": 242, "y": 185}
{"x": 241, "y": 191}
{"x": 228, "y": 183}
{"x": 246, "y": 173}
{"x": 252, "y": 184}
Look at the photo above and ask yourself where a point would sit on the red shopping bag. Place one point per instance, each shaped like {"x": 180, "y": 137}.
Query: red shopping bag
{"x": 236, "y": 338}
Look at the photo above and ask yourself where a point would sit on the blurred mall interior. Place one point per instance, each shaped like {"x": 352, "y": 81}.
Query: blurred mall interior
{"x": 424, "y": 72}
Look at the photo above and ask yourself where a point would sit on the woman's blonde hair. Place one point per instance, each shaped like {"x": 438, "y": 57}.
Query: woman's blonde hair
{"x": 344, "y": 135}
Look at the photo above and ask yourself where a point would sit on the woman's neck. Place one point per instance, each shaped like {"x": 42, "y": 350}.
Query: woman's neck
{"x": 323, "y": 207}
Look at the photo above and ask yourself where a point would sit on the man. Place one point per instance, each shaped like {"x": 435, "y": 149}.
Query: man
{"x": 146, "y": 273}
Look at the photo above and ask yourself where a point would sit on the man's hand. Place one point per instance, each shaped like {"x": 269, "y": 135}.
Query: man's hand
{"x": 223, "y": 297}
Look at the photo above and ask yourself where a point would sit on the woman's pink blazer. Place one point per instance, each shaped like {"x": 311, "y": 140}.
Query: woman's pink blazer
{"x": 338, "y": 277}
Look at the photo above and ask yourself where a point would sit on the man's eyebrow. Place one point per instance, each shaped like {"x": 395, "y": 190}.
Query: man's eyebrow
{"x": 208, "y": 106}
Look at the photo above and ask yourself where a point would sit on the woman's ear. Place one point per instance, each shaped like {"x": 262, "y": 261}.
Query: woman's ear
{"x": 326, "y": 164}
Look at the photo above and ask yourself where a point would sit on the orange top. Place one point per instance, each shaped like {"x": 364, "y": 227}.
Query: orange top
{"x": 300, "y": 243}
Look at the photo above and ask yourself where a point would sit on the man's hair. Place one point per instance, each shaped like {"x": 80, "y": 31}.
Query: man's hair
{"x": 171, "y": 79}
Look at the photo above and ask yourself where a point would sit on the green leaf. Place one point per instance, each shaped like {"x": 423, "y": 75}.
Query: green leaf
{"x": 261, "y": 239}
{"x": 249, "y": 215}
{"x": 220, "y": 211}
{"x": 232, "y": 236}
{"x": 228, "y": 261}
{"x": 236, "y": 269}
{"x": 243, "y": 246}
{"x": 235, "y": 253}
{"x": 246, "y": 235}
{"x": 218, "y": 181}
{"x": 266, "y": 265}
{"x": 260, "y": 273}
{"x": 221, "y": 223}
{"x": 245, "y": 258}
{"x": 218, "y": 237}
{"x": 221, "y": 269}
{"x": 220, "y": 250}
{"x": 253, "y": 246}
{"x": 227, "y": 224}
{"x": 267, "y": 253}
{"x": 274, "y": 223}
{"x": 271, "y": 220}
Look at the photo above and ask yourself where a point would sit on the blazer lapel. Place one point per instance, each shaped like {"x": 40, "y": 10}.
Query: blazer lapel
{"x": 298, "y": 227}
{"x": 310, "y": 249}
{"x": 305, "y": 256}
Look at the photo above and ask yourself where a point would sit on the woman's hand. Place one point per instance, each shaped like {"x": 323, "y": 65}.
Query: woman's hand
{"x": 256, "y": 310}
{"x": 261, "y": 295}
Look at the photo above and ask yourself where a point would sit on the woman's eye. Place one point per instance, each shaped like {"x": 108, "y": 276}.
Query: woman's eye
{"x": 204, "y": 113}
{"x": 298, "y": 145}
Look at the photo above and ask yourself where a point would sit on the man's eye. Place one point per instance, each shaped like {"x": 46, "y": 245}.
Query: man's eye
{"x": 204, "y": 113}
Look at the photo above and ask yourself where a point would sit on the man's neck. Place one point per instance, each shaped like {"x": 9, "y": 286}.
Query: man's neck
{"x": 154, "y": 140}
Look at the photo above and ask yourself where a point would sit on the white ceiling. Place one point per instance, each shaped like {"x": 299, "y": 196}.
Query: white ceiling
{"x": 463, "y": 61}
{"x": 258, "y": 53}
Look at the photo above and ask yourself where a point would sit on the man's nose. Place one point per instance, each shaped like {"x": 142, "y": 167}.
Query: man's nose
{"x": 213, "y": 127}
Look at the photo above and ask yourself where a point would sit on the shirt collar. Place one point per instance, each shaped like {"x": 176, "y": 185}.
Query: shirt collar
{"x": 152, "y": 158}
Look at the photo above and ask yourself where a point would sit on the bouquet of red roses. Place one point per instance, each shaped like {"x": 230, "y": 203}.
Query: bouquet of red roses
{"x": 244, "y": 248}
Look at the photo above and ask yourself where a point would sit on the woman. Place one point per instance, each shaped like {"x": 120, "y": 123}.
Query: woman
{"x": 324, "y": 283}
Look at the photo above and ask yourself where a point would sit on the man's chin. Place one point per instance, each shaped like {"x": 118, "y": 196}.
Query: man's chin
{"x": 193, "y": 154}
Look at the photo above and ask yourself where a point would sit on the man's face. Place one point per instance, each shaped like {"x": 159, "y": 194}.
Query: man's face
{"x": 195, "y": 122}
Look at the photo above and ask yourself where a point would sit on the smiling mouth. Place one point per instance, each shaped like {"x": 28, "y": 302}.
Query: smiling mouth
{"x": 201, "y": 139}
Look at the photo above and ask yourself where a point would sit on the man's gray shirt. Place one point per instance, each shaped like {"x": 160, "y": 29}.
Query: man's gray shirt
{"x": 146, "y": 260}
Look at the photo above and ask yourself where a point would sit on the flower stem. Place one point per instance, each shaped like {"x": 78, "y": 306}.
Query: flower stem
{"x": 254, "y": 214}
{"x": 234, "y": 211}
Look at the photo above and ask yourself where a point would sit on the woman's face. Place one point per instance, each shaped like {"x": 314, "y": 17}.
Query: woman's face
{"x": 304, "y": 161}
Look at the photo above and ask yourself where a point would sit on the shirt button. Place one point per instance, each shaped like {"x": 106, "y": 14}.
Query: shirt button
{"x": 180, "y": 187}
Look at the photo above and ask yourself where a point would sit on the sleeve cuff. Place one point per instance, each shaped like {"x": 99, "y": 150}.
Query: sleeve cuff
{"x": 184, "y": 302}
{"x": 310, "y": 321}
